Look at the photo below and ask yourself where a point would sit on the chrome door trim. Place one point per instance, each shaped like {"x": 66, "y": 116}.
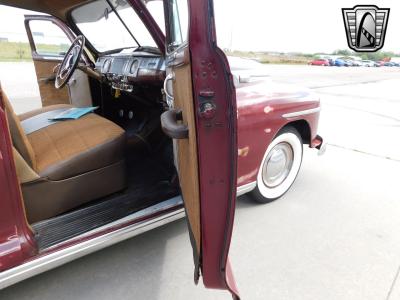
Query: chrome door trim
{"x": 58, "y": 258}
{"x": 169, "y": 97}
{"x": 243, "y": 189}
{"x": 301, "y": 113}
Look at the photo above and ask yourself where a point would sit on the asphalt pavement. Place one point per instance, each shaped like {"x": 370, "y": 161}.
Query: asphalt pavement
{"x": 335, "y": 235}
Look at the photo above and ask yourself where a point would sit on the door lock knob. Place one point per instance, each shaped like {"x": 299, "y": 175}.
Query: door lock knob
{"x": 207, "y": 110}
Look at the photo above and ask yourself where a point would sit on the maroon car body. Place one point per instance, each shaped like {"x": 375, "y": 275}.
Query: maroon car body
{"x": 263, "y": 109}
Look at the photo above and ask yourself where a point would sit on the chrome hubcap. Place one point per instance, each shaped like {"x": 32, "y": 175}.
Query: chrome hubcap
{"x": 277, "y": 165}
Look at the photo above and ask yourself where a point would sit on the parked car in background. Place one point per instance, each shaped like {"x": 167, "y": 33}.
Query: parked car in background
{"x": 348, "y": 63}
{"x": 368, "y": 63}
{"x": 319, "y": 62}
{"x": 356, "y": 63}
{"x": 340, "y": 63}
{"x": 389, "y": 64}
{"x": 331, "y": 61}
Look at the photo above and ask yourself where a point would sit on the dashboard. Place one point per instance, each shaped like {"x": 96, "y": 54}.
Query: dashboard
{"x": 123, "y": 70}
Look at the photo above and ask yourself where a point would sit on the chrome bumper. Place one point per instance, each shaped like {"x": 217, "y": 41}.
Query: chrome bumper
{"x": 319, "y": 143}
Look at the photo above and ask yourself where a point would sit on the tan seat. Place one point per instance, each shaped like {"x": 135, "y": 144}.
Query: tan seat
{"x": 72, "y": 162}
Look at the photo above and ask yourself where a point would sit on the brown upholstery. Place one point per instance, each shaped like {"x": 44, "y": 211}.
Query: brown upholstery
{"x": 24, "y": 172}
{"x": 69, "y": 148}
{"x": 67, "y": 163}
{"x": 48, "y": 198}
{"x": 20, "y": 140}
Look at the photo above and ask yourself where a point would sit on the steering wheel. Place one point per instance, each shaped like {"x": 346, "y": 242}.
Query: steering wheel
{"x": 70, "y": 62}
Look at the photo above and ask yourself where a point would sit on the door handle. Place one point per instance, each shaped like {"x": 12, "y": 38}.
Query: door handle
{"x": 49, "y": 79}
{"x": 169, "y": 97}
{"x": 170, "y": 125}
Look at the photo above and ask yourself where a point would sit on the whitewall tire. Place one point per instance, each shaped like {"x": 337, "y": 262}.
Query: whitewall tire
{"x": 279, "y": 167}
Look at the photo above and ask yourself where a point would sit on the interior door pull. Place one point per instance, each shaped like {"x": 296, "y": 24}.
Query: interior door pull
{"x": 171, "y": 124}
{"x": 169, "y": 97}
{"x": 49, "y": 79}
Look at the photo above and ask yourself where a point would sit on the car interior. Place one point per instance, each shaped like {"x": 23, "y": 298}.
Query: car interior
{"x": 81, "y": 174}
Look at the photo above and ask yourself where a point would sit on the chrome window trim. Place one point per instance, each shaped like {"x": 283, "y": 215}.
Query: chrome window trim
{"x": 301, "y": 113}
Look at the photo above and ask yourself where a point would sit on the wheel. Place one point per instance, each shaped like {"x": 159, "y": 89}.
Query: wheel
{"x": 279, "y": 167}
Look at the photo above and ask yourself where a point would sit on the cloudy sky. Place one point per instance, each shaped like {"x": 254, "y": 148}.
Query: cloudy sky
{"x": 306, "y": 26}
{"x": 284, "y": 26}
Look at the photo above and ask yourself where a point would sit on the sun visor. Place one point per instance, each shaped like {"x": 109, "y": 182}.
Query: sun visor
{"x": 91, "y": 12}
{"x": 96, "y": 10}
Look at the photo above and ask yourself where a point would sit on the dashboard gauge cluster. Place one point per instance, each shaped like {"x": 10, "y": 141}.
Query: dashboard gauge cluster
{"x": 123, "y": 71}
{"x": 132, "y": 66}
{"x": 106, "y": 65}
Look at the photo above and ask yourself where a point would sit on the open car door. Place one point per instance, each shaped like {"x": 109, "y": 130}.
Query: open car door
{"x": 49, "y": 39}
{"x": 202, "y": 121}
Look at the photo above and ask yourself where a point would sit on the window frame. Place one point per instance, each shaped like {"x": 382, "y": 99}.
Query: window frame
{"x": 53, "y": 20}
{"x": 168, "y": 9}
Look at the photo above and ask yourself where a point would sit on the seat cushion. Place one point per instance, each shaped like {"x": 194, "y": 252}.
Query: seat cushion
{"x": 69, "y": 148}
{"x": 32, "y": 113}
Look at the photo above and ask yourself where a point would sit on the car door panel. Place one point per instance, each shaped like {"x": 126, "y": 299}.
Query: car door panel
{"x": 186, "y": 149}
{"x": 46, "y": 77}
{"x": 204, "y": 93}
{"x": 77, "y": 91}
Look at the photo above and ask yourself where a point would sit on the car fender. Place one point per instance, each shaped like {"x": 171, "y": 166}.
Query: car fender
{"x": 264, "y": 108}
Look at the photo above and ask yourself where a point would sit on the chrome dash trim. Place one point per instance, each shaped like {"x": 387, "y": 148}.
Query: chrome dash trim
{"x": 243, "y": 189}
{"x": 58, "y": 258}
{"x": 301, "y": 113}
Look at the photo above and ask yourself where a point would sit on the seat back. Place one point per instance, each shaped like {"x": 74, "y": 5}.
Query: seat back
{"x": 18, "y": 136}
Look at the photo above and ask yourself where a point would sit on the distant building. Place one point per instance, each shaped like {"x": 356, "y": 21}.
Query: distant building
{"x": 38, "y": 34}
{"x": 3, "y": 39}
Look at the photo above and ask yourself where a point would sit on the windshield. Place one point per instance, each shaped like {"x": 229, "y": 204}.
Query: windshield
{"x": 111, "y": 27}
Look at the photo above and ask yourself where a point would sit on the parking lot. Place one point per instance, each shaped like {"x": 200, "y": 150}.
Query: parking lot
{"x": 335, "y": 235}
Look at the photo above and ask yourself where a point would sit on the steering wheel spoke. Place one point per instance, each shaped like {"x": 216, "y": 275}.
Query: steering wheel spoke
{"x": 70, "y": 62}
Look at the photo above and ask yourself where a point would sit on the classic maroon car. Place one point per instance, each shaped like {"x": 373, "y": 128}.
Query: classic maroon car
{"x": 177, "y": 132}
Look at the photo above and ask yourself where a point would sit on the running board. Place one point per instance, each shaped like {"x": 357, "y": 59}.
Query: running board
{"x": 113, "y": 208}
{"x": 167, "y": 211}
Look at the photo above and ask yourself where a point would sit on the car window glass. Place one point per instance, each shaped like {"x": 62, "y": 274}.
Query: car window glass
{"x": 102, "y": 27}
{"x": 156, "y": 9}
{"x": 136, "y": 26}
{"x": 49, "y": 39}
{"x": 112, "y": 25}
{"x": 179, "y": 23}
